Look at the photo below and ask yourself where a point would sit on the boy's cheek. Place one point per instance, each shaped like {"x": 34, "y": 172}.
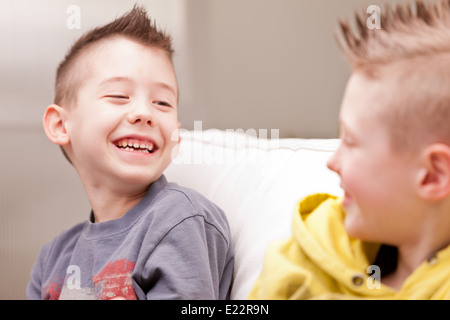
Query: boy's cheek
{"x": 353, "y": 183}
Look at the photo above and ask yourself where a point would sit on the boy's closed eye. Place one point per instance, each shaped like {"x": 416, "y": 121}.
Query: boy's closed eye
{"x": 347, "y": 138}
{"x": 349, "y": 141}
{"x": 162, "y": 103}
{"x": 117, "y": 96}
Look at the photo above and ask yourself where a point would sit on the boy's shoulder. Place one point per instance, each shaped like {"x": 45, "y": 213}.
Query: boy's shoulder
{"x": 186, "y": 201}
{"x": 190, "y": 197}
{"x": 64, "y": 240}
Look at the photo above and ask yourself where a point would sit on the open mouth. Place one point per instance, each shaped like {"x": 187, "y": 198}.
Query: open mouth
{"x": 347, "y": 198}
{"x": 135, "y": 145}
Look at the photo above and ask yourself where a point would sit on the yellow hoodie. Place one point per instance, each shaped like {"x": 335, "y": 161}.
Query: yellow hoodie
{"x": 320, "y": 261}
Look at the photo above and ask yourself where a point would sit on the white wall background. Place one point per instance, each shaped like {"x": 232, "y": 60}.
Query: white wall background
{"x": 241, "y": 64}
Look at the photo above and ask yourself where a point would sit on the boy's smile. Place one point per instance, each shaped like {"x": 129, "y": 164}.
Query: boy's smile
{"x": 136, "y": 144}
{"x": 124, "y": 126}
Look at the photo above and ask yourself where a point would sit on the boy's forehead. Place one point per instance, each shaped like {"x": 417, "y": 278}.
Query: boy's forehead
{"x": 372, "y": 93}
{"x": 115, "y": 57}
{"x": 365, "y": 99}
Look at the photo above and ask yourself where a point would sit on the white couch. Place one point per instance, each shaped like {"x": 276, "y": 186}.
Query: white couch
{"x": 257, "y": 182}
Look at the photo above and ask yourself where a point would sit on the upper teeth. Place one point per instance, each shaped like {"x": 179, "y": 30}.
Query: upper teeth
{"x": 132, "y": 145}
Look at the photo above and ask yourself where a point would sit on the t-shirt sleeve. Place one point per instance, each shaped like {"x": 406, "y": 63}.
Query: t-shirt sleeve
{"x": 34, "y": 287}
{"x": 194, "y": 260}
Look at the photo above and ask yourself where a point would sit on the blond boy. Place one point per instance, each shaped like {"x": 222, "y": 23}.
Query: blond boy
{"x": 116, "y": 118}
{"x": 388, "y": 237}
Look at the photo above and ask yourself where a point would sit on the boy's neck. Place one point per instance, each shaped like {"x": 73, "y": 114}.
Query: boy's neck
{"x": 107, "y": 205}
{"x": 410, "y": 257}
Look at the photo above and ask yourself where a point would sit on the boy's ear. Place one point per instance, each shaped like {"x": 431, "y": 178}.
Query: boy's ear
{"x": 435, "y": 173}
{"x": 53, "y": 122}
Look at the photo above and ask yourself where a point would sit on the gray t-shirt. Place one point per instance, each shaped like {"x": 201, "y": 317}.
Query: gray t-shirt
{"x": 175, "y": 244}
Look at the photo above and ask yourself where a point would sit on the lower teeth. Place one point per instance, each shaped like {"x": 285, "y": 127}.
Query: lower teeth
{"x": 135, "y": 150}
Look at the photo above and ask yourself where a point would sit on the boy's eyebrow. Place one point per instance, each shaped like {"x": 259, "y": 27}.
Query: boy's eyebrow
{"x": 128, "y": 79}
{"x": 167, "y": 87}
{"x": 115, "y": 79}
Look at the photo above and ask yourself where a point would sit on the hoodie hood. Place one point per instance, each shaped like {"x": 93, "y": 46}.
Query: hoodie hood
{"x": 322, "y": 237}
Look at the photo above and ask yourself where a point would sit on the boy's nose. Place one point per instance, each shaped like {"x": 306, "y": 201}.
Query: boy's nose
{"x": 141, "y": 114}
{"x": 332, "y": 163}
{"x": 140, "y": 119}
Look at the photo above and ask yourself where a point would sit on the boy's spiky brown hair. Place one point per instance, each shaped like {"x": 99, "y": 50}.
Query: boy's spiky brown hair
{"x": 135, "y": 25}
{"x": 410, "y": 55}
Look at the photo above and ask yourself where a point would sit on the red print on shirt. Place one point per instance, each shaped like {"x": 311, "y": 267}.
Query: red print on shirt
{"x": 114, "y": 281}
{"x": 53, "y": 289}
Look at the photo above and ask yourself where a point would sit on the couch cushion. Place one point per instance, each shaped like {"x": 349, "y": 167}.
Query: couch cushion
{"x": 257, "y": 182}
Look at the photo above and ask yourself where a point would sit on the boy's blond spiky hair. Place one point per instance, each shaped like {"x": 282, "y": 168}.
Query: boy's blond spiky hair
{"x": 406, "y": 31}
{"x": 410, "y": 55}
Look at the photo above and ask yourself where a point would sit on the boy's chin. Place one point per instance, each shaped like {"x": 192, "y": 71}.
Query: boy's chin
{"x": 358, "y": 229}
{"x": 137, "y": 180}
{"x": 352, "y": 224}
